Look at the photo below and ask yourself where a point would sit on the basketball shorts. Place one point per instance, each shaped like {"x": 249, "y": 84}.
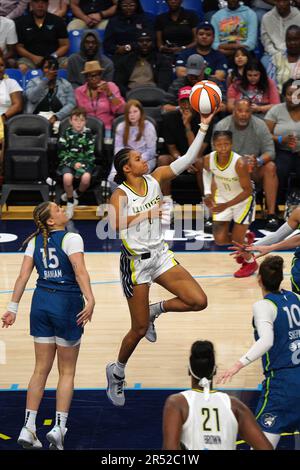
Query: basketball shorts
{"x": 135, "y": 270}
{"x": 295, "y": 275}
{"x": 278, "y": 407}
{"x": 54, "y": 314}
{"x": 242, "y": 213}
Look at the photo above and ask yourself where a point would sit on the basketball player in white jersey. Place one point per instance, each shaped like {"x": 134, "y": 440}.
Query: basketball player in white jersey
{"x": 204, "y": 419}
{"x": 229, "y": 195}
{"x": 145, "y": 257}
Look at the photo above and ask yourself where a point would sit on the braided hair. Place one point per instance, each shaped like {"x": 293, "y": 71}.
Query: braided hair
{"x": 40, "y": 216}
{"x": 120, "y": 160}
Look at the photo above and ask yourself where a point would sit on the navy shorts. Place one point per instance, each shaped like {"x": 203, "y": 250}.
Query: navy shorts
{"x": 54, "y": 313}
{"x": 278, "y": 407}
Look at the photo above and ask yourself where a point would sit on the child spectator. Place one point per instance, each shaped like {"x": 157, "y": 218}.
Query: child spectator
{"x": 77, "y": 160}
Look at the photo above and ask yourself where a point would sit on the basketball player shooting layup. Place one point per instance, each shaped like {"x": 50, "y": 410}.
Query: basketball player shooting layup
{"x": 135, "y": 212}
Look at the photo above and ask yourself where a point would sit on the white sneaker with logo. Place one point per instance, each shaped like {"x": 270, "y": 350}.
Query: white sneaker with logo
{"x": 56, "y": 438}
{"x": 28, "y": 439}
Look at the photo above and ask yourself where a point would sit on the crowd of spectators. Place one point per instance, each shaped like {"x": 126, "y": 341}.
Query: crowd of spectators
{"x": 251, "y": 49}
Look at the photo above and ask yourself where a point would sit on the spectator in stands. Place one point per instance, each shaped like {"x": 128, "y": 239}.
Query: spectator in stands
{"x": 122, "y": 30}
{"x": 261, "y": 8}
{"x": 179, "y": 130}
{"x": 287, "y": 64}
{"x": 251, "y": 137}
{"x": 216, "y": 61}
{"x": 195, "y": 69}
{"x": 8, "y": 41}
{"x": 257, "y": 87}
{"x": 195, "y": 72}
{"x": 58, "y": 7}
{"x": 240, "y": 59}
{"x": 137, "y": 133}
{"x": 50, "y": 96}
{"x": 91, "y": 13}
{"x": 99, "y": 98}
{"x": 13, "y": 8}
{"x": 11, "y": 102}
{"x": 176, "y": 29}
{"x": 235, "y": 26}
{"x": 40, "y": 34}
{"x": 210, "y": 7}
{"x": 90, "y": 49}
{"x": 143, "y": 66}
{"x": 274, "y": 25}
{"x": 283, "y": 122}
{"x": 76, "y": 153}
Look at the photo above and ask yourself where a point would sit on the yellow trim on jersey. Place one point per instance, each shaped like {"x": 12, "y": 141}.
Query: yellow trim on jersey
{"x": 134, "y": 192}
{"x": 227, "y": 164}
{"x": 133, "y": 275}
{"x": 173, "y": 259}
{"x": 128, "y": 247}
{"x": 244, "y": 214}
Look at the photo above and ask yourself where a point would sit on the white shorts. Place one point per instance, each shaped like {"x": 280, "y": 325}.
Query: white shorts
{"x": 242, "y": 213}
{"x": 56, "y": 340}
{"x": 134, "y": 270}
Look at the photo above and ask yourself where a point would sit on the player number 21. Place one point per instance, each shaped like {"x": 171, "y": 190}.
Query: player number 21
{"x": 206, "y": 414}
{"x": 53, "y": 259}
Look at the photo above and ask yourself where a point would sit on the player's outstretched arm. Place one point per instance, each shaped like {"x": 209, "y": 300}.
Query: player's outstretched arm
{"x": 9, "y": 316}
{"x": 164, "y": 173}
{"x": 248, "y": 427}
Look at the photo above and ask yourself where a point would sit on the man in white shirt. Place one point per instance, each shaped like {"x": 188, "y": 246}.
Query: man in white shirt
{"x": 8, "y": 40}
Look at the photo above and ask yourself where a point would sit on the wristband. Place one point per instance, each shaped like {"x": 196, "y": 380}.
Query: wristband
{"x": 203, "y": 127}
{"x": 13, "y": 307}
{"x": 280, "y": 138}
{"x": 111, "y": 97}
{"x": 260, "y": 162}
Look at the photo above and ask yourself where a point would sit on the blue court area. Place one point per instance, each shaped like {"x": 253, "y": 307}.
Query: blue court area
{"x": 14, "y": 232}
{"x": 96, "y": 424}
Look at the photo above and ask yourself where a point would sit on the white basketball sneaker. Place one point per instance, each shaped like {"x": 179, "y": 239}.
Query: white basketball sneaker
{"x": 28, "y": 439}
{"x": 56, "y": 438}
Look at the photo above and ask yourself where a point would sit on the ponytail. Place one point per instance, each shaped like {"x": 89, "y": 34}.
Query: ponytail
{"x": 121, "y": 158}
{"x": 40, "y": 216}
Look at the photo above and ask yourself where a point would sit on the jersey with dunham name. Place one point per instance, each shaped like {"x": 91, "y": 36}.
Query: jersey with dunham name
{"x": 55, "y": 270}
{"x": 226, "y": 178}
{"x": 146, "y": 235}
{"x": 285, "y": 352}
{"x": 211, "y": 424}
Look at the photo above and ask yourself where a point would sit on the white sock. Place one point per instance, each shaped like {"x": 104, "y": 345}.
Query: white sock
{"x": 157, "y": 309}
{"x": 30, "y": 417}
{"x": 119, "y": 369}
{"x": 250, "y": 260}
{"x": 61, "y": 419}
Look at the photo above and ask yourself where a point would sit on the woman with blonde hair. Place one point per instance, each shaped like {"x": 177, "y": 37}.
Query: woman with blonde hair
{"x": 137, "y": 133}
{"x": 58, "y": 314}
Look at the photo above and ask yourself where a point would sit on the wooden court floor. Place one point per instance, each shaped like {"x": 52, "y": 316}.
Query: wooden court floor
{"x": 226, "y": 322}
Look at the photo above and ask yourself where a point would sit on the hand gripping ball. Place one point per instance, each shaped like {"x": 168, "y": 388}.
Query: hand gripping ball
{"x": 205, "y": 96}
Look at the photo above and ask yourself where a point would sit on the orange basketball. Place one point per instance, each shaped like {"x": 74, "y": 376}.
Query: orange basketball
{"x": 205, "y": 96}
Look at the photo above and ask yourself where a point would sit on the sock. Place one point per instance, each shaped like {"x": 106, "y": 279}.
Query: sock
{"x": 157, "y": 309}
{"x": 71, "y": 200}
{"x": 250, "y": 260}
{"x": 30, "y": 417}
{"x": 61, "y": 419}
{"x": 167, "y": 198}
{"x": 119, "y": 369}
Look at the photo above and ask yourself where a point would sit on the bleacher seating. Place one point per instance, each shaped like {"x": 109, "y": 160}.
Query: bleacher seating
{"x": 15, "y": 74}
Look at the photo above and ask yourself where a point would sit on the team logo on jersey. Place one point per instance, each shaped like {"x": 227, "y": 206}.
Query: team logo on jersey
{"x": 268, "y": 420}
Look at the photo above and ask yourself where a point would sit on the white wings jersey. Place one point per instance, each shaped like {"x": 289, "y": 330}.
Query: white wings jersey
{"x": 145, "y": 236}
{"x": 226, "y": 178}
{"x": 211, "y": 424}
